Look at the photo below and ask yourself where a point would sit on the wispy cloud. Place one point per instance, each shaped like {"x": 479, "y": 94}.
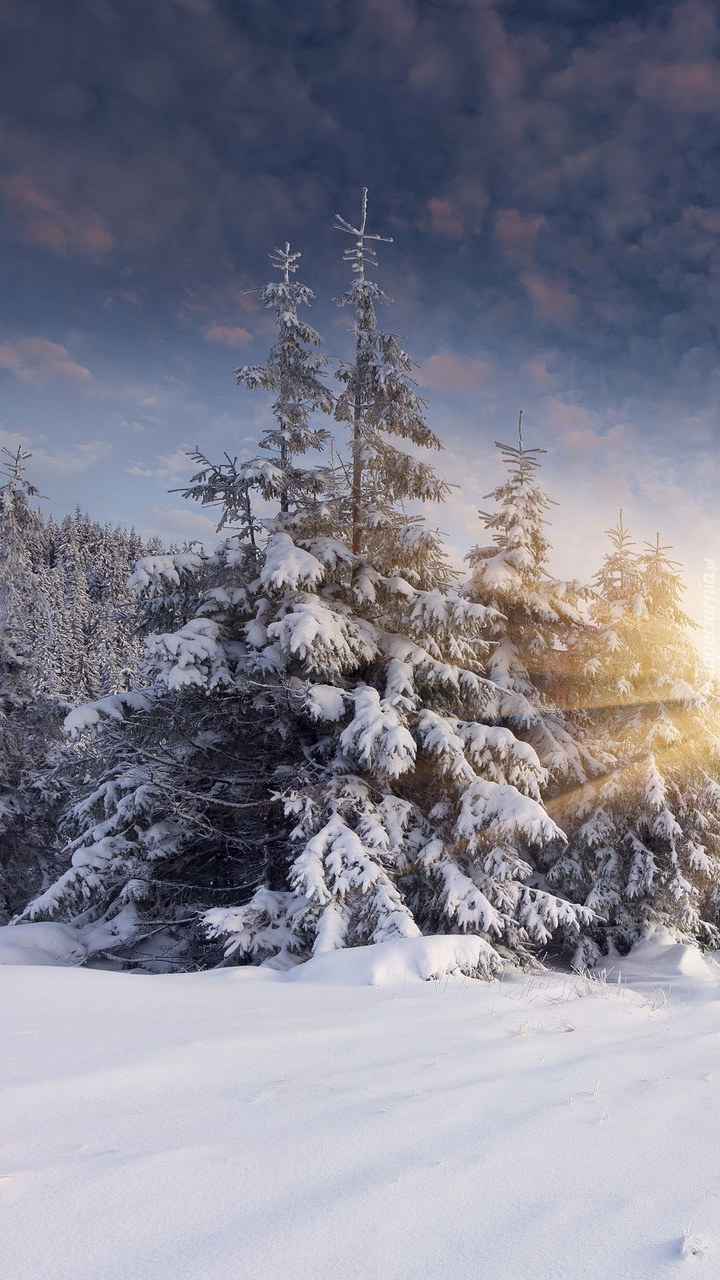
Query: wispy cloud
{"x": 174, "y": 523}
{"x": 50, "y": 462}
{"x": 33, "y": 359}
{"x": 446, "y": 371}
{"x": 174, "y": 466}
{"x": 228, "y": 335}
{"x": 459, "y": 211}
{"x": 551, "y": 299}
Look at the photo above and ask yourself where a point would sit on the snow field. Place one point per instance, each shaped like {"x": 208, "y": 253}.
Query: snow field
{"x": 245, "y": 1124}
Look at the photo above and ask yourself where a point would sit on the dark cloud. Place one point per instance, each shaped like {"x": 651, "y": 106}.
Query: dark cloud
{"x": 549, "y": 174}
{"x": 181, "y": 137}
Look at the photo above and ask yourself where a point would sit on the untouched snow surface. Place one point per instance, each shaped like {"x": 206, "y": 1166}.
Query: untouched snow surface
{"x": 247, "y": 1124}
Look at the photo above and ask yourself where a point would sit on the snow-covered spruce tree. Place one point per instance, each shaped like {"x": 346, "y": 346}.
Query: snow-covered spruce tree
{"x": 411, "y": 808}
{"x": 293, "y": 372}
{"x": 644, "y": 837}
{"x": 177, "y": 817}
{"x": 538, "y": 623}
{"x": 30, "y": 719}
{"x": 379, "y": 402}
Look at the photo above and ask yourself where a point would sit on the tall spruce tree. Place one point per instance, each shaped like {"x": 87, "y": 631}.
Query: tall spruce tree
{"x": 293, "y": 372}
{"x": 178, "y": 815}
{"x": 538, "y": 623}
{"x": 644, "y": 836}
{"x": 380, "y": 403}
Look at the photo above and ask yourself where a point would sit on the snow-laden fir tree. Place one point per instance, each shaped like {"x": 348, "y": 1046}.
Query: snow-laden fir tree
{"x": 177, "y": 816}
{"x": 293, "y": 373}
{"x": 644, "y": 836}
{"x": 380, "y": 403}
{"x": 538, "y": 623}
{"x": 29, "y": 719}
{"x": 377, "y": 782}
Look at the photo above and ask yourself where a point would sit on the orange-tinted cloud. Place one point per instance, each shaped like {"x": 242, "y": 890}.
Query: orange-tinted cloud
{"x": 551, "y": 300}
{"x": 707, "y": 219}
{"x": 446, "y": 371}
{"x": 538, "y": 372}
{"x": 228, "y": 335}
{"x": 563, "y": 415}
{"x": 44, "y": 220}
{"x": 459, "y": 211}
{"x": 445, "y": 218}
{"x": 685, "y": 86}
{"x": 516, "y": 234}
{"x": 37, "y": 360}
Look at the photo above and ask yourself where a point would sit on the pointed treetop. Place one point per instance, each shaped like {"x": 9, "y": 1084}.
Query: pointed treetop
{"x": 662, "y": 582}
{"x": 14, "y": 466}
{"x": 657, "y": 552}
{"x": 618, "y": 578}
{"x": 524, "y": 459}
{"x": 285, "y": 261}
{"x": 362, "y": 252}
{"x": 620, "y": 536}
{"x": 15, "y": 471}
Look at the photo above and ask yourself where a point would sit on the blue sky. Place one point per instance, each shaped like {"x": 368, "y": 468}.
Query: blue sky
{"x": 550, "y": 177}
